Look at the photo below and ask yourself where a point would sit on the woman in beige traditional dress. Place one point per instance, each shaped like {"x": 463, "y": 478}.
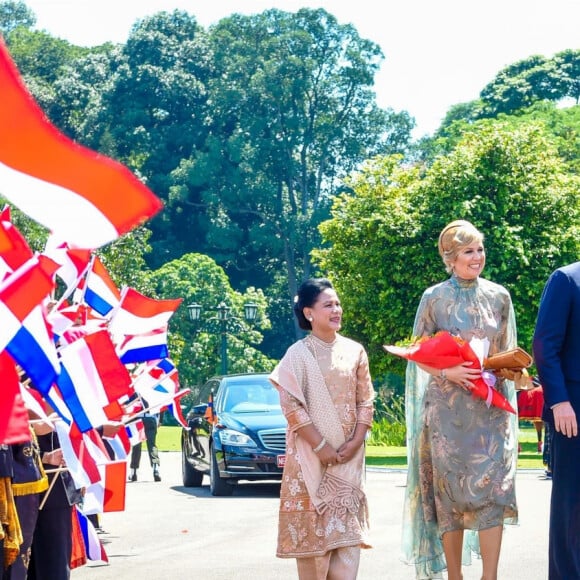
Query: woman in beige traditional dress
{"x": 327, "y": 397}
{"x": 462, "y": 454}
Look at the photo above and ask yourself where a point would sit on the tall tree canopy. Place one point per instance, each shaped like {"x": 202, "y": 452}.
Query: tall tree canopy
{"x": 15, "y": 14}
{"x": 293, "y": 112}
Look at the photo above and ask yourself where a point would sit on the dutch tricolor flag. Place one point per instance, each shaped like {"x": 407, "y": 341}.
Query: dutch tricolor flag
{"x": 24, "y": 332}
{"x": 100, "y": 292}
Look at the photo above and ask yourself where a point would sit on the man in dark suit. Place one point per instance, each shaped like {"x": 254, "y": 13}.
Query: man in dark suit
{"x": 557, "y": 356}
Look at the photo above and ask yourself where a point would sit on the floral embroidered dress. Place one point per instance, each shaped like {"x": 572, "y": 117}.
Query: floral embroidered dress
{"x": 462, "y": 455}
{"x": 329, "y": 385}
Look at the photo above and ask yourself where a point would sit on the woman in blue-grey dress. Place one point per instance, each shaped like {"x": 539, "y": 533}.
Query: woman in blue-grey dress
{"x": 462, "y": 455}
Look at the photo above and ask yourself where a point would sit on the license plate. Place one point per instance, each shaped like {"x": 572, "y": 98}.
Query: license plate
{"x": 280, "y": 460}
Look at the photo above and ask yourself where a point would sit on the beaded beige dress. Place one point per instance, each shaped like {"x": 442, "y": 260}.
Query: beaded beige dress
{"x": 329, "y": 385}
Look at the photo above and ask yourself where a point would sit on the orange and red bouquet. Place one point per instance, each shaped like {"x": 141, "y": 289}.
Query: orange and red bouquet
{"x": 443, "y": 350}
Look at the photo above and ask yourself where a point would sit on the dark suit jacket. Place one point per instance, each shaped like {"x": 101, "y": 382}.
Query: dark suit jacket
{"x": 556, "y": 344}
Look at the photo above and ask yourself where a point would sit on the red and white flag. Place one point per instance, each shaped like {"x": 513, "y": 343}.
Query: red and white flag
{"x": 108, "y": 494}
{"x": 82, "y": 197}
{"x": 73, "y": 264}
{"x": 13, "y": 413}
{"x": 139, "y": 314}
{"x": 15, "y": 250}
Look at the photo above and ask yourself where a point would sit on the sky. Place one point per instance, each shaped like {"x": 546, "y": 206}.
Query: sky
{"x": 438, "y": 53}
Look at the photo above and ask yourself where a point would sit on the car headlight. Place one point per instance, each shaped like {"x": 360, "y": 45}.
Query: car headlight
{"x": 231, "y": 437}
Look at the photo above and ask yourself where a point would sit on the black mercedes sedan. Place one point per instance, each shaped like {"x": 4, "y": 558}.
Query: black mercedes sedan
{"x": 236, "y": 432}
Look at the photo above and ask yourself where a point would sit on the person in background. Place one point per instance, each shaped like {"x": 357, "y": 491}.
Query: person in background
{"x": 531, "y": 407}
{"x": 462, "y": 454}
{"x": 150, "y": 426}
{"x": 327, "y": 396}
{"x": 556, "y": 347}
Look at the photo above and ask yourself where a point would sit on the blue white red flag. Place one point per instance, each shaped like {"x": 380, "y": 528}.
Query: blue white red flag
{"x": 94, "y": 549}
{"x": 135, "y": 431}
{"x": 139, "y": 314}
{"x": 42, "y": 171}
{"x": 92, "y": 380}
{"x": 144, "y": 347}
{"x": 100, "y": 292}
{"x": 171, "y": 378}
{"x": 23, "y": 329}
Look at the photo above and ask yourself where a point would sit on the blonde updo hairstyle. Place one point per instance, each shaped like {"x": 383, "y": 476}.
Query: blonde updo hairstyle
{"x": 453, "y": 238}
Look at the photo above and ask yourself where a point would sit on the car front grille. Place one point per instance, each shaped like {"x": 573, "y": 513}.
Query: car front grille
{"x": 274, "y": 439}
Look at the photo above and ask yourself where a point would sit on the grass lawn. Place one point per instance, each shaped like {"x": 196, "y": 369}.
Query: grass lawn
{"x": 168, "y": 439}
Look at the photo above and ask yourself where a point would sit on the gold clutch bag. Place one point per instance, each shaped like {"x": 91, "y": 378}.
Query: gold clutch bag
{"x": 515, "y": 359}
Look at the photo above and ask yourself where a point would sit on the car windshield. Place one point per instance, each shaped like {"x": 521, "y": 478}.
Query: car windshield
{"x": 251, "y": 397}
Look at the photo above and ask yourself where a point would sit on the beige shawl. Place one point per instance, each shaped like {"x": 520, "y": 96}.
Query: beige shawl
{"x": 335, "y": 488}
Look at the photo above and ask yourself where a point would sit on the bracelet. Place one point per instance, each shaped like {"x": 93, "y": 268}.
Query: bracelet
{"x": 319, "y": 446}
{"x": 443, "y": 374}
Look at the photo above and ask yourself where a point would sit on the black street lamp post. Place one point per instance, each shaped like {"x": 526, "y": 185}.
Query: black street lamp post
{"x": 226, "y": 321}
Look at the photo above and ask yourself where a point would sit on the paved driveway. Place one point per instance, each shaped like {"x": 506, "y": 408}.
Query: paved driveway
{"x": 171, "y": 532}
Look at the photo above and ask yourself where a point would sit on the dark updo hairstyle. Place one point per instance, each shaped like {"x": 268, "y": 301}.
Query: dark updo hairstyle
{"x": 307, "y": 296}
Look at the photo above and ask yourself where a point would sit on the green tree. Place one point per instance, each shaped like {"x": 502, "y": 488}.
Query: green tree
{"x": 509, "y": 182}
{"x": 164, "y": 68}
{"x": 196, "y": 350}
{"x": 568, "y": 63}
{"x": 40, "y": 55}
{"x": 13, "y": 15}
{"x": 293, "y": 112}
{"x": 77, "y": 107}
{"x": 158, "y": 83}
{"x": 520, "y": 84}
{"x": 125, "y": 260}
{"x": 563, "y": 124}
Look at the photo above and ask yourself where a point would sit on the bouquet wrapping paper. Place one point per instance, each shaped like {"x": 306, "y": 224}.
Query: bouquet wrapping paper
{"x": 444, "y": 350}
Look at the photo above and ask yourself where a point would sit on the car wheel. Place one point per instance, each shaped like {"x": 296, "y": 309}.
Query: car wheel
{"x": 191, "y": 477}
{"x": 217, "y": 484}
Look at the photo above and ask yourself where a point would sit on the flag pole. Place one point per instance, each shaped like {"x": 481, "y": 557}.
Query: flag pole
{"x": 57, "y": 473}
